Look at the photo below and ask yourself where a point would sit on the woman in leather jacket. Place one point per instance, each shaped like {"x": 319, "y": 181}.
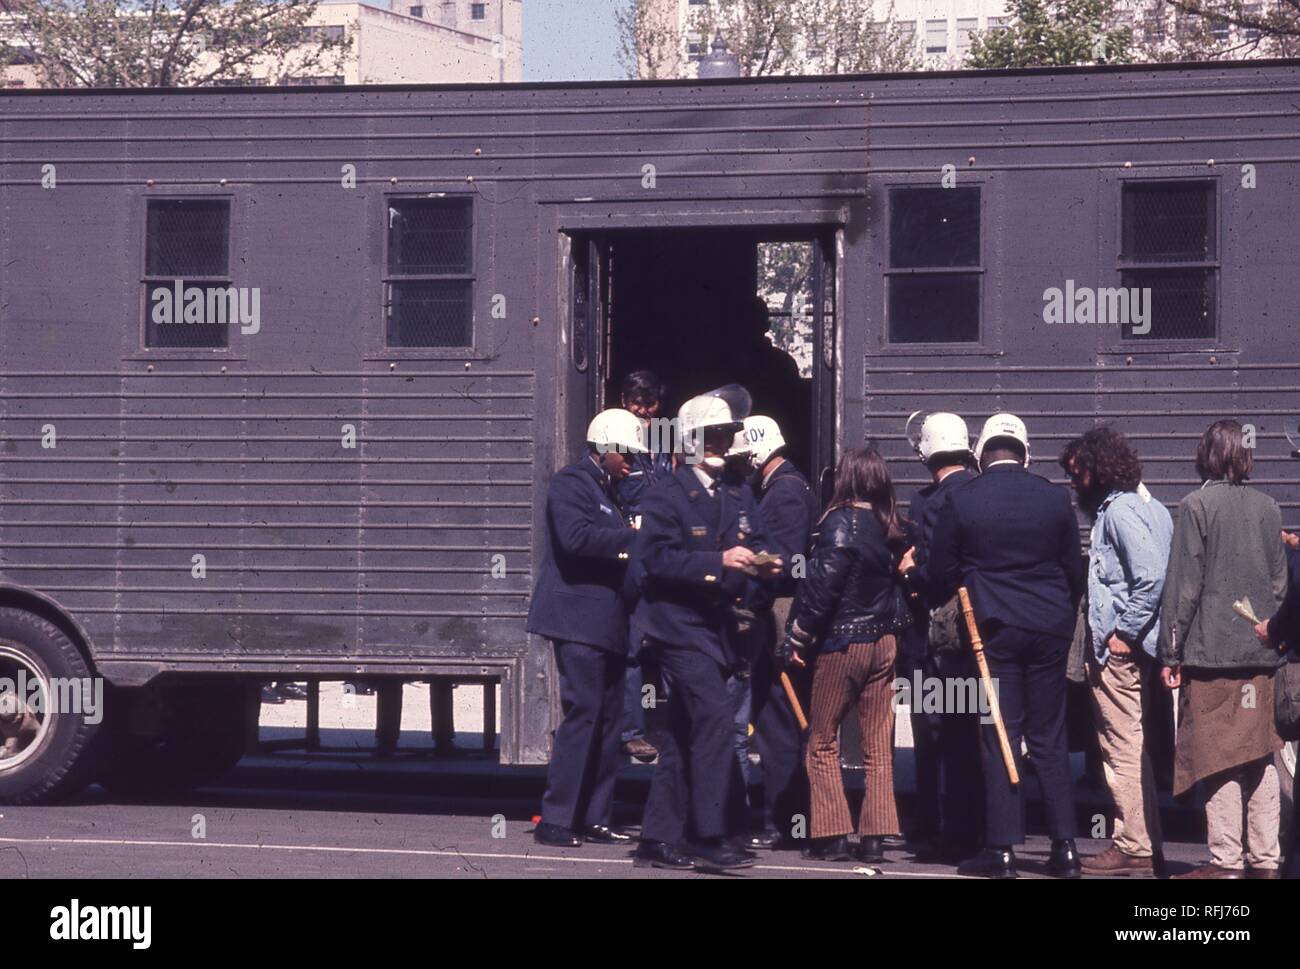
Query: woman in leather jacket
{"x": 849, "y": 609}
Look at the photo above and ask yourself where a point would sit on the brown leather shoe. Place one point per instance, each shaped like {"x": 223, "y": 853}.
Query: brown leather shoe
{"x": 1269, "y": 873}
{"x": 1212, "y": 871}
{"x": 1112, "y": 861}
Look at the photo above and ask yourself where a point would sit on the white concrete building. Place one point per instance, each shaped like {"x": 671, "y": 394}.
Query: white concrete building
{"x": 400, "y": 42}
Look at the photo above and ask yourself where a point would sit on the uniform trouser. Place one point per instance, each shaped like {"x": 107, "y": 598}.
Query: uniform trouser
{"x": 1028, "y": 670}
{"x": 776, "y": 732}
{"x": 738, "y": 695}
{"x": 1244, "y": 799}
{"x": 946, "y": 745}
{"x": 1291, "y": 866}
{"x": 861, "y": 674}
{"x": 633, "y": 711}
{"x": 693, "y": 731}
{"x": 585, "y": 751}
{"x": 1116, "y": 690}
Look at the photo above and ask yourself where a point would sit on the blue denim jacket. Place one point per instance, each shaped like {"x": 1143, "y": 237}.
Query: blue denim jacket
{"x": 1127, "y": 560}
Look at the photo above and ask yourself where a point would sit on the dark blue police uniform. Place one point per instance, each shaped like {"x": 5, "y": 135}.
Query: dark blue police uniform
{"x": 647, "y": 469}
{"x": 1012, "y": 538}
{"x": 578, "y": 605}
{"x": 789, "y": 509}
{"x": 946, "y": 744}
{"x": 685, "y": 613}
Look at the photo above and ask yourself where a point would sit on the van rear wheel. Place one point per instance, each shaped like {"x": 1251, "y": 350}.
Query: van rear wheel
{"x": 49, "y": 711}
{"x": 197, "y": 736}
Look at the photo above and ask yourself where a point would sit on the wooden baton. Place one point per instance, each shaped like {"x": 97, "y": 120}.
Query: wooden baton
{"x": 982, "y": 664}
{"x": 794, "y": 701}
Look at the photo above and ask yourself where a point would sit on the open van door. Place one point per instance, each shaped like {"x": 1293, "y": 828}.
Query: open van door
{"x": 587, "y": 337}
{"x": 825, "y": 282}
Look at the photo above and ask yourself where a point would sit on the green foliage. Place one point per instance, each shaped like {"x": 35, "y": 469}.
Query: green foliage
{"x": 1046, "y": 33}
{"x": 166, "y": 43}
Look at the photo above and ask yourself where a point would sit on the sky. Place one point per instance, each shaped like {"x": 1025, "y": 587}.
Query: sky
{"x": 571, "y": 40}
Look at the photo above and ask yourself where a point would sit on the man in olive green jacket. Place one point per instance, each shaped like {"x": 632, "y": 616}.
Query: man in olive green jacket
{"x": 1226, "y": 549}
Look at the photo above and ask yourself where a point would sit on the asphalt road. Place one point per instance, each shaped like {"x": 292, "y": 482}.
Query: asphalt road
{"x": 350, "y": 818}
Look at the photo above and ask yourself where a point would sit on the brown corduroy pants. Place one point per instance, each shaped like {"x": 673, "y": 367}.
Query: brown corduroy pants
{"x": 863, "y": 673}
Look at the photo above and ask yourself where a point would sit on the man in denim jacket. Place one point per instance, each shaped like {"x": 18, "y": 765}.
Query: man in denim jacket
{"x": 1127, "y": 558}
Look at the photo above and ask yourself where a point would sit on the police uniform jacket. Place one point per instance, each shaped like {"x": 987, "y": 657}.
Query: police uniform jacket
{"x": 578, "y": 597}
{"x": 789, "y": 510}
{"x": 1012, "y": 538}
{"x": 686, "y": 594}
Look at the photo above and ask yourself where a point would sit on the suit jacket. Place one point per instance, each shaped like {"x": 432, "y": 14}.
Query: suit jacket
{"x": 789, "y": 510}
{"x": 686, "y": 594}
{"x": 578, "y": 597}
{"x": 924, "y": 512}
{"x": 1012, "y": 538}
{"x": 1284, "y": 627}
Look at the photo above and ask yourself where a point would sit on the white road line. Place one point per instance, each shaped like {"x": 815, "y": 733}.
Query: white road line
{"x": 420, "y": 852}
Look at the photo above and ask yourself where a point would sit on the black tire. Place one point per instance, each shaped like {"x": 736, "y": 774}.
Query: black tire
{"x": 201, "y": 738}
{"x": 60, "y": 761}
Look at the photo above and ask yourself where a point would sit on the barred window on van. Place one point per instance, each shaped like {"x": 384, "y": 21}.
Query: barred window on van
{"x": 933, "y": 278}
{"x": 1169, "y": 247}
{"x": 189, "y": 300}
{"x": 429, "y": 282}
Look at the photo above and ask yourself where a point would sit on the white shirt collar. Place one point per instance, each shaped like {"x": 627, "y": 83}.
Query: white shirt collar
{"x": 710, "y": 483}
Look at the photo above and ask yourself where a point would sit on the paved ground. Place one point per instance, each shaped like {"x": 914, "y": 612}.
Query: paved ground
{"x": 319, "y": 837}
{"x": 350, "y": 816}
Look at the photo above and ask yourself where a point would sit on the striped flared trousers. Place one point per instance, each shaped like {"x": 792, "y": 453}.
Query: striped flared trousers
{"x": 863, "y": 673}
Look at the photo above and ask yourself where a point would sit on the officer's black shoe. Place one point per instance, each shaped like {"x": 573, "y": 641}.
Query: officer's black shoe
{"x": 765, "y": 840}
{"x": 291, "y": 691}
{"x": 659, "y": 854}
{"x": 271, "y": 695}
{"x": 871, "y": 849}
{"x": 604, "y": 834}
{"x": 720, "y": 855}
{"x": 555, "y": 836}
{"x": 829, "y": 849}
{"x": 990, "y": 863}
{"x": 1063, "y": 862}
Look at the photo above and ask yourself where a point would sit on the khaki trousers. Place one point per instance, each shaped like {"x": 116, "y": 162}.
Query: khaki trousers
{"x": 1256, "y": 785}
{"x": 1116, "y": 690}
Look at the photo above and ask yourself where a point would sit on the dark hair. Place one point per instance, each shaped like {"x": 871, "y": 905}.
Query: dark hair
{"x": 1222, "y": 455}
{"x": 643, "y": 385}
{"x": 863, "y": 475}
{"x": 1107, "y": 456}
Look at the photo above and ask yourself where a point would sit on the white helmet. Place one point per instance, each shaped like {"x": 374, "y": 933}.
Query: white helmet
{"x": 740, "y": 446}
{"x": 943, "y": 433}
{"x": 696, "y": 415}
{"x": 617, "y": 430}
{"x": 764, "y": 435}
{"x": 1003, "y": 425}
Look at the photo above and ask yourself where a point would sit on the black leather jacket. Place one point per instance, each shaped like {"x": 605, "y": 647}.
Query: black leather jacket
{"x": 851, "y": 590}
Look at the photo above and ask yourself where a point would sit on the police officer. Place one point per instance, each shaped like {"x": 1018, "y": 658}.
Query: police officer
{"x": 945, "y": 743}
{"x": 699, "y": 534}
{"x": 643, "y": 394}
{"x": 578, "y": 605}
{"x": 1011, "y": 537}
{"x": 788, "y": 508}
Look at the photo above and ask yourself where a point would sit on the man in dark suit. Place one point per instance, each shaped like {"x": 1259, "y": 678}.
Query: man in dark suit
{"x": 945, "y": 743}
{"x": 1012, "y": 539}
{"x": 578, "y": 605}
{"x": 1283, "y": 631}
{"x": 789, "y": 509}
{"x": 700, "y": 532}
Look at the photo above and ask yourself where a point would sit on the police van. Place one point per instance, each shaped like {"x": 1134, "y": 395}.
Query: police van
{"x": 284, "y": 372}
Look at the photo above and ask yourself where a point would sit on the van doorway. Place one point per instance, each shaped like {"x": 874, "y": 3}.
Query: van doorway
{"x": 712, "y": 306}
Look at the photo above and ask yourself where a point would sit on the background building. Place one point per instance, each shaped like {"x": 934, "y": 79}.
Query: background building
{"x": 401, "y": 42}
